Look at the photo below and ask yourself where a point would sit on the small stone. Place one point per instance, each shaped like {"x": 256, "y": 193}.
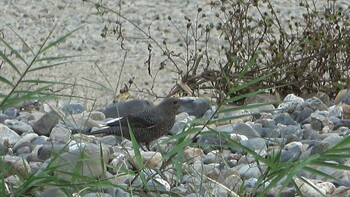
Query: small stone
{"x": 257, "y": 144}
{"x": 18, "y": 164}
{"x": 290, "y": 102}
{"x": 316, "y": 104}
{"x": 245, "y": 129}
{"x": 18, "y": 126}
{"x": 44, "y": 125}
{"x": 260, "y": 98}
{"x": 193, "y": 154}
{"x": 60, "y": 134}
{"x": 314, "y": 187}
{"x": 12, "y": 112}
{"x": 8, "y": 136}
{"x": 284, "y": 119}
{"x": 73, "y": 108}
{"x": 197, "y": 108}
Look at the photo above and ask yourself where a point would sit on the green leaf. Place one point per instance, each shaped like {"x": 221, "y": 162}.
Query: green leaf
{"x": 59, "y": 40}
{"x": 8, "y": 61}
{"x": 4, "y": 80}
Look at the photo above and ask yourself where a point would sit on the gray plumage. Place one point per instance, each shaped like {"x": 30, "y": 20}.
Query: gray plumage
{"x": 146, "y": 125}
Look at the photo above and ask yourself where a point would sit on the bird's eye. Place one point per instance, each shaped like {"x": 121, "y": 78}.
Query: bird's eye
{"x": 175, "y": 102}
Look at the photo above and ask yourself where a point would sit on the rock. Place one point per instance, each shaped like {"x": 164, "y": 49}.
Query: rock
{"x": 286, "y": 130}
{"x": 80, "y": 122}
{"x": 292, "y": 152}
{"x": 3, "y": 150}
{"x": 12, "y": 112}
{"x": 53, "y": 192}
{"x": 314, "y": 187}
{"x": 346, "y": 111}
{"x": 97, "y": 194}
{"x": 301, "y": 116}
{"x": 290, "y": 102}
{"x": 193, "y": 154}
{"x": 245, "y": 129}
{"x": 257, "y": 144}
{"x": 122, "y": 109}
{"x": 230, "y": 178}
{"x": 8, "y": 136}
{"x": 120, "y": 163}
{"x": 84, "y": 159}
{"x": 44, "y": 152}
{"x": 341, "y": 191}
{"x": 73, "y": 108}
{"x": 316, "y": 104}
{"x": 150, "y": 159}
{"x": 346, "y": 98}
{"x": 111, "y": 140}
{"x": 197, "y": 108}
{"x": 318, "y": 121}
{"x": 44, "y": 125}
{"x": 284, "y": 119}
{"x": 3, "y": 117}
{"x": 260, "y": 98}
{"x": 247, "y": 171}
{"x": 18, "y": 126}
{"x": 60, "y": 134}
{"x": 18, "y": 165}
{"x": 181, "y": 121}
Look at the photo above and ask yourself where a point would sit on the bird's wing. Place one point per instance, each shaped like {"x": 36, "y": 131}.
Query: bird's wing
{"x": 135, "y": 121}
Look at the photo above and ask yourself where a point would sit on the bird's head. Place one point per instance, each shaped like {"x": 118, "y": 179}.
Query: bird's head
{"x": 172, "y": 104}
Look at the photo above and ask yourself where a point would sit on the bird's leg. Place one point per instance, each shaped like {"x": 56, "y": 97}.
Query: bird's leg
{"x": 147, "y": 146}
{"x": 142, "y": 147}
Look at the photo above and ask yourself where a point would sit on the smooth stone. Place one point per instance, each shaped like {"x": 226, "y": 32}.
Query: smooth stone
{"x": 314, "y": 187}
{"x": 193, "y": 154}
{"x": 120, "y": 163}
{"x": 11, "y": 112}
{"x": 260, "y": 98}
{"x": 318, "y": 121}
{"x": 53, "y": 192}
{"x": 150, "y": 159}
{"x": 210, "y": 141}
{"x": 245, "y": 129}
{"x": 122, "y": 109}
{"x": 84, "y": 159}
{"x": 285, "y": 119}
{"x": 20, "y": 165}
{"x": 60, "y": 134}
{"x": 345, "y": 111}
{"x": 340, "y": 96}
{"x": 25, "y": 139}
{"x": 44, "y": 125}
{"x": 342, "y": 123}
{"x": 7, "y": 136}
{"x": 121, "y": 193}
{"x": 230, "y": 178}
{"x": 44, "y": 152}
{"x": 3, "y": 117}
{"x": 346, "y": 98}
{"x": 319, "y": 148}
{"x": 197, "y": 108}
{"x": 18, "y": 126}
{"x": 111, "y": 140}
{"x": 210, "y": 113}
{"x": 3, "y": 150}
{"x": 96, "y": 115}
{"x": 341, "y": 191}
{"x": 292, "y": 152}
{"x": 73, "y": 108}
{"x": 25, "y": 117}
{"x": 80, "y": 122}
{"x": 257, "y": 144}
{"x": 97, "y": 194}
{"x": 181, "y": 120}
{"x": 247, "y": 171}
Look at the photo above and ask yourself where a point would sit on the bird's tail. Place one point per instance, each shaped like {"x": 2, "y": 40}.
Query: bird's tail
{"x": 116, "y": 130}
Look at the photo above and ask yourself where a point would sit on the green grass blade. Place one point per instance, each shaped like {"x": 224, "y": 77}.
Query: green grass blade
{"x": 4, "y": 80}
{"x": 8, "y": 61}
{"x": 24, "y": 42}
{"x": 59, "y": 40}
{"x": 50, "y": 65}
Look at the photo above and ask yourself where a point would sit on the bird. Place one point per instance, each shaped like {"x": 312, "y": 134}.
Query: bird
{"x": 147, "y": 125}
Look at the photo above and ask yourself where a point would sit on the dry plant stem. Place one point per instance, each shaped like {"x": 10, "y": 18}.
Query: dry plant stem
{"x": 99, "y": 5}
